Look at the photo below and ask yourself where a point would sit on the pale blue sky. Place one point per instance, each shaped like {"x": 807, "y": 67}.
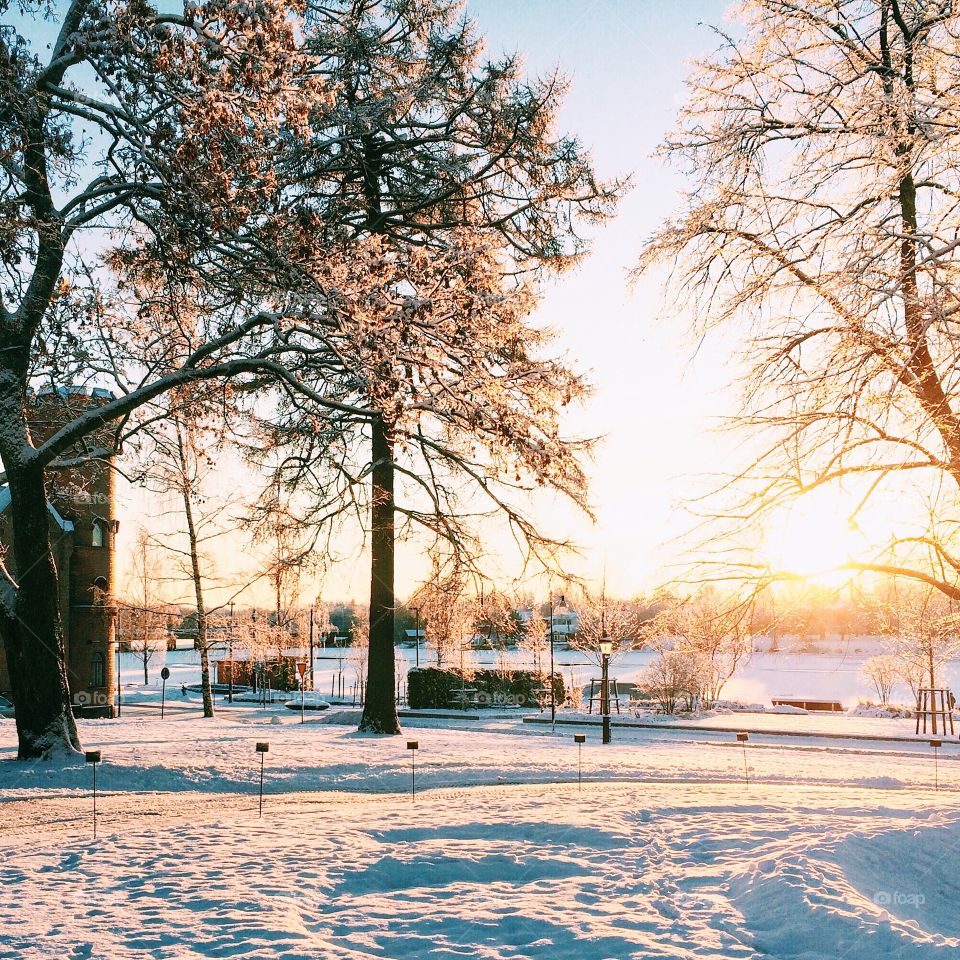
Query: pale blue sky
{"x": 656, "y": 401}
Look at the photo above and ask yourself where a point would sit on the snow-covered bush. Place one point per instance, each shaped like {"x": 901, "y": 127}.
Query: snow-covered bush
{"x": 883, "y": 711}
{"x": 713, "y": 631}
{"x": 883, "y": 671}
{"x": 674, "y": 679}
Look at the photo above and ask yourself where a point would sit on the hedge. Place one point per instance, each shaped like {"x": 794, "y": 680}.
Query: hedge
{"x": 430, "y": 688}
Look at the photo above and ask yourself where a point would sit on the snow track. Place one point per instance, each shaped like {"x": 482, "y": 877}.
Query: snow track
{"x": 495, "y": 873}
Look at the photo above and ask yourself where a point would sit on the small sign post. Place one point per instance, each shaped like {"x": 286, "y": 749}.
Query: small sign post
{"x": 164, "y": 677}
{"x": 302, "y": 670}
{"x": 743, "y": 738}
{"x": 94, "y": 757}
{"x": 413, "y": 746}
{"x": 262, "y": 748}
{"x": 579, "y": 739}
{"x": 936, "y": 744}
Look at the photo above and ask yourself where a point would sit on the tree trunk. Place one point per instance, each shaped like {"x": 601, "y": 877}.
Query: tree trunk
{"x": 33, "y": 636}
{"x": 208, "y": 710}
{"x": 380, "y": 706}
{"x": 186, "y": 493}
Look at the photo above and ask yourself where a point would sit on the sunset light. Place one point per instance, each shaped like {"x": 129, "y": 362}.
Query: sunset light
{"x": 813, "y": 536}
{"x": 479, "y": 479}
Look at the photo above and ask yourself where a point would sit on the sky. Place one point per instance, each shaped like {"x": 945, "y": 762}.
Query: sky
{"x": 657, "y": 396}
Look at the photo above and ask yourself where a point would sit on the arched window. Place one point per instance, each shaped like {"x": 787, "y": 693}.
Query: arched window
{"x": 97, "y": 537}
{"x": 99, "y": 590}
{"x": 96, "y": 670}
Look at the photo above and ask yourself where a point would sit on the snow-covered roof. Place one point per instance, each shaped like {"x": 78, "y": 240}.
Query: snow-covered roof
{"x": 65, "y": 525}
{"x": 97, "y": 393}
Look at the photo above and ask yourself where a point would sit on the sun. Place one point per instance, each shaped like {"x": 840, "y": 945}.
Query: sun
{"x": 814, "y": 535}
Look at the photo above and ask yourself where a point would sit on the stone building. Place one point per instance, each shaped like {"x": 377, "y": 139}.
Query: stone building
{"x": 83, "y": 526}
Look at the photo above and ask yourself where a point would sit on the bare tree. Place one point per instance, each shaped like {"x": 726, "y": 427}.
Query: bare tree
{"x": 535, "y": 638}
{"x": 449, "y": 167}
{"x": 445, "y": 610}
{"x": 822, "y": 146}
{"x": 495, "y": 619}
{"x": 672, "y": 679}
{"x": 882, "y": 671}
{"x": 143, "y": 618}
{"x": 607, "y": 618}
{"x": 164, "y": 132}
{"x": 180, "y": 465}
{"x": 922, "y": 628}
{"x": 289, "y": 556}
{"x": 715, "y": 630}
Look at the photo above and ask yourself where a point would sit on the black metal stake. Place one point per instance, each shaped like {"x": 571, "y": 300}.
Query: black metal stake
{"x": 94, "y": 757}
{"x": 413, "y": 746}
{"x": 936, "y": 744}
{"x": 743, "y": 737}
{"x": 262, "y": 748}
{"x": 578, "y": 739}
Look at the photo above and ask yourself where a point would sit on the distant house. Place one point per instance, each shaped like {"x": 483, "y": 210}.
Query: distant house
{"x": 565, "y": 625}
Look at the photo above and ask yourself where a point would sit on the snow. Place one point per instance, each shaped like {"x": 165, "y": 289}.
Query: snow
{"x": 495, "y": 873}
{"x": 836, "y": 846}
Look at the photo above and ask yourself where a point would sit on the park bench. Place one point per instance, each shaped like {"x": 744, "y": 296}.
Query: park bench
{"x": 809, "y": 703}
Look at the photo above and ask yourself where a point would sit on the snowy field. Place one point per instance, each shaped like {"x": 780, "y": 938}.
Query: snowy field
{"x": 834, "y": 849}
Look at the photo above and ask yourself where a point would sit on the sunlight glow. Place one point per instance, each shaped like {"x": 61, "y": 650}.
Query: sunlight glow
{"x": 814, "y": 536}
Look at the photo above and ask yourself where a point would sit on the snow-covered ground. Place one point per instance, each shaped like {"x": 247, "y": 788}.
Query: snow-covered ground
{"x": 831, "y": 844}
{"x": 834, "y": 848}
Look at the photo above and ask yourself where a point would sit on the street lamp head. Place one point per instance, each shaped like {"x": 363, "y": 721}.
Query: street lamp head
{"x": 606, "y": 646}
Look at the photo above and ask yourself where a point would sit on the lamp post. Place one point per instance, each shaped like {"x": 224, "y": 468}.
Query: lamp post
{"x": 562, "y": 610}
{"x": 606, "y": 648}
{"x": 311, "y": 649}
{"x": 230, "y": 644}
{"x": 119, "y": 704}
{"x": 416, "y": 610}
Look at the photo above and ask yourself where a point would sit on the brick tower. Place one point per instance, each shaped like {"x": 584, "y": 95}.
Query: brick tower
{"x": 83, "y": 526}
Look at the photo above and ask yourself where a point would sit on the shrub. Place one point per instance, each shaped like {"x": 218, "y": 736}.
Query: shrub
{"x": 883, "y": 672}
{"x": 430, "y": 688}
{"x": 673, "y": 679}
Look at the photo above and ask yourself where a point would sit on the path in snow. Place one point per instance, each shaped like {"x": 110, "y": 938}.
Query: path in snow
{"x": 617, "y": 871}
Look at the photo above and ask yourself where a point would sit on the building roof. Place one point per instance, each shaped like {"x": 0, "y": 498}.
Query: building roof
{"x": 97, "y": 393}
{"x": 65, "y": 525}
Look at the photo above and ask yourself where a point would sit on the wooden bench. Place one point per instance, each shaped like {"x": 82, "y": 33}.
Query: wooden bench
{"x": 809, "y": 703}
